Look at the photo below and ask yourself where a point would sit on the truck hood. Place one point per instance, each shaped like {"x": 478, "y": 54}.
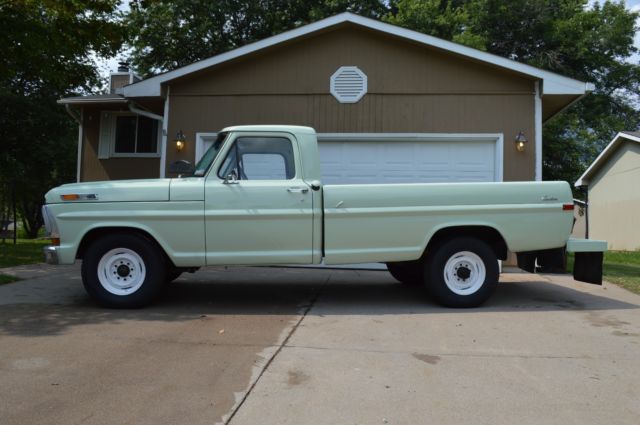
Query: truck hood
{"x": 113, "y": 191}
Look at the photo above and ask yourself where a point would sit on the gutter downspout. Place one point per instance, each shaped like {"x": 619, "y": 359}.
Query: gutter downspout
{"x": 144, "y": 113}
{"x": 165, "y": 129}
{"x": 538, "y": 130}
{"x": 78, "y": 119}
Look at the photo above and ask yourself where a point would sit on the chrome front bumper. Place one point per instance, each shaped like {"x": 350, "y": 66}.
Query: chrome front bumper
{"x": 50, "y": 255}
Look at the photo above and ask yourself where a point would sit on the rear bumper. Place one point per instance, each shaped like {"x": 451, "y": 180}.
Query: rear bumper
{"x": 589, "y": 255}
{"x": 51, "y": 255}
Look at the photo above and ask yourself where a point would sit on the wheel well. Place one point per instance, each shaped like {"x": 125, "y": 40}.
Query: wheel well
{"x": 485, "y": 233}
{"x": 95, "y": 234}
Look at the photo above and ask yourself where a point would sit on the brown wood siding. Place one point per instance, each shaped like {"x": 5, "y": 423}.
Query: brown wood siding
{"x": 505, "y": 114}
{"x": 392, "y": 66}
{"x": 94, "y": 169}
{"x": 412, "y": 89}
{"x": 118, "y": 82}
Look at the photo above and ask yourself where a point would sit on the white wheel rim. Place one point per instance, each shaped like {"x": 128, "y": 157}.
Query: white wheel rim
{"x": 464, "y": 273}
{"x": 121, "y": 271}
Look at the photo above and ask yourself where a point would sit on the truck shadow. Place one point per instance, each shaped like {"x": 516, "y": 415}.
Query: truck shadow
{"x": 290, "y": 292}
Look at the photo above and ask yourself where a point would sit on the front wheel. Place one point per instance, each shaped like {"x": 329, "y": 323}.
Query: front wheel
{"x": 462, "y": 272}
{"x": 123, "y": 271}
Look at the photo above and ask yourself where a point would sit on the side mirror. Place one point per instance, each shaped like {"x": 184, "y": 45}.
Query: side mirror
{"x": 181, "y": 167}
{"x": 232, "y": 178}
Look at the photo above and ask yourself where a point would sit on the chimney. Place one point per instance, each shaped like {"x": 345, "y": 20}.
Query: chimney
{"x": 123, "y": 66}
{"x": 119, "y": 79}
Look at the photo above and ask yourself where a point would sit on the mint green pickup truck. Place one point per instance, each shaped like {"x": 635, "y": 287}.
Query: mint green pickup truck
{"x": 256, "y": 198}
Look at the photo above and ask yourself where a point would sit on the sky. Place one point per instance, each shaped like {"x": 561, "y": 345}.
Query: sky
{"x": 105, "y": 66}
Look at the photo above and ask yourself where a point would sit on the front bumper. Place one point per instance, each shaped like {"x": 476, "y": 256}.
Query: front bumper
{"x": 51, "y": 255}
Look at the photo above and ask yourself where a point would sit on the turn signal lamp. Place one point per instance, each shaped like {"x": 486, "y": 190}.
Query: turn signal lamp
{"x": 79, "y": 196}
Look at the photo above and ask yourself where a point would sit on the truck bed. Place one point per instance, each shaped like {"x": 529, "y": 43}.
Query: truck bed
{"x": 394, "y": 222}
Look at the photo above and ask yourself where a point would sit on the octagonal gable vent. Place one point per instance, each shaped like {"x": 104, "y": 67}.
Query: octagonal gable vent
{"x": 348, "y": 84}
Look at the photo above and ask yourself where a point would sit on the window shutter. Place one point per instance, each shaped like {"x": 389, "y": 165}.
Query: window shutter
{"x": 107, "y": 134}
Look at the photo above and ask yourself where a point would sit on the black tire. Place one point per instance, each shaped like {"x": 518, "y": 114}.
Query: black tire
{"x": 462, "y": 297}
{"x": 114, "y": 249}
{"x": 407, "y": 272}
{"x": 172, "y": 274}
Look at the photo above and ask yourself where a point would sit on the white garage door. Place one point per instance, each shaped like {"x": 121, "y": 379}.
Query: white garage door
{"x": 402, "y": 161}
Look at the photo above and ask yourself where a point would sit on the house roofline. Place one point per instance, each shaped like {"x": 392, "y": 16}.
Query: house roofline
{"x": 597, "y": 163}
{"x": 91, "y": 100}
{"x": 553, "y": 84}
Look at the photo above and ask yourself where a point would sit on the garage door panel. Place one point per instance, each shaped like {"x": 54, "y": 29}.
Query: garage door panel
{"x": 361, "y": 162}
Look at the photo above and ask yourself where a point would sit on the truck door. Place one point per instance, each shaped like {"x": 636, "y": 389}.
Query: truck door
{"x": 258, "y": 210}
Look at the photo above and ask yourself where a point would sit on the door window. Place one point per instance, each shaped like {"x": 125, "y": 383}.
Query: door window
{"x": 259, "y": 158}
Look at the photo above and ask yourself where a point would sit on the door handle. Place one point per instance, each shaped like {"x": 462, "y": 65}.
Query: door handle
{"x": 298, "y": 190}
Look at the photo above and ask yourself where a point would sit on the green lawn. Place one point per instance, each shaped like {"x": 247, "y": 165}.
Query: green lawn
{"x": 27, "y": 251}
{"x": 621, "y": 268}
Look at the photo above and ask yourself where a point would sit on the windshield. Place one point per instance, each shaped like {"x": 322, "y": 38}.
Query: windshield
{"x": 207, "y": 159}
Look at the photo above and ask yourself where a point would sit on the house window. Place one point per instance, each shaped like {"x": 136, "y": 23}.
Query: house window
{"x": 136, "y": 134}
{"x": 127, "y": 135}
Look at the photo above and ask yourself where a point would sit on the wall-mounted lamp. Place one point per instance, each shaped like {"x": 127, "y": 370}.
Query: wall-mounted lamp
{"x": 181, "y": 140}
{"x": 521, "y": 141}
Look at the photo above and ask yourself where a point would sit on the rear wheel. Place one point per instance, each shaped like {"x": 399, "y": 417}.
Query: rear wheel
{"x": 123, "y": 271}
{"x": 407, "y": 272}
{"x": 462, "y": 272}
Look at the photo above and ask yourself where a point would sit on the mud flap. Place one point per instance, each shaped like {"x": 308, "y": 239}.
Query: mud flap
{"x": 587, "y": 267}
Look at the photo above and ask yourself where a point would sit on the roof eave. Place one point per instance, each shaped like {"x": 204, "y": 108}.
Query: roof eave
{"x": 90, "y": 101}
{"x": 584, "y": 178}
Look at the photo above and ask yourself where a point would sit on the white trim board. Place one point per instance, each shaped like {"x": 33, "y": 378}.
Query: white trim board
{"x": 498, "y": 138}
{"x": 552, "y": 83}
{"x": 537, "y": 116}
{"x": 163, "y": 140}
{"x": 200, "y": 144}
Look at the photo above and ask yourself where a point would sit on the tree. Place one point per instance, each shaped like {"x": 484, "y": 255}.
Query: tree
{"x": 47, "y": 49}
{"x": 167, "y": 34}
{"x": 589, "y": 44}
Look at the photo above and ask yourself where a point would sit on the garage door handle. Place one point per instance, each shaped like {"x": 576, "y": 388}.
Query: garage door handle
{"x": 298, "y": 190}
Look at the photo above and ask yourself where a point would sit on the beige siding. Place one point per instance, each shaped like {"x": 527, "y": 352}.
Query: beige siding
{"x": 614, "y": 196}
{"x": 411, "y": 89}
{"x": 94, "y": 169}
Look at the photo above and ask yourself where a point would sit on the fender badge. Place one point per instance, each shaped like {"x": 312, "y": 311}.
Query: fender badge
{"x": 548, "y": 198}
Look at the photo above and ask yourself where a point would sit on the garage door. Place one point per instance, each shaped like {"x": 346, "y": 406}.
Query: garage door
{"x": 402, "y": 161}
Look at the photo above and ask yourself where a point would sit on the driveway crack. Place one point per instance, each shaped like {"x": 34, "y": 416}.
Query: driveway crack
{"x": 307, "y": 308}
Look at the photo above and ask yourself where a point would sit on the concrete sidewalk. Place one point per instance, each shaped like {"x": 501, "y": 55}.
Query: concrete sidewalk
{"x": 297, "y": 346}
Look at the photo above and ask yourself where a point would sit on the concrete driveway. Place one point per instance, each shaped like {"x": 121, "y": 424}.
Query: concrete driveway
{"x": 298, "y": 346}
